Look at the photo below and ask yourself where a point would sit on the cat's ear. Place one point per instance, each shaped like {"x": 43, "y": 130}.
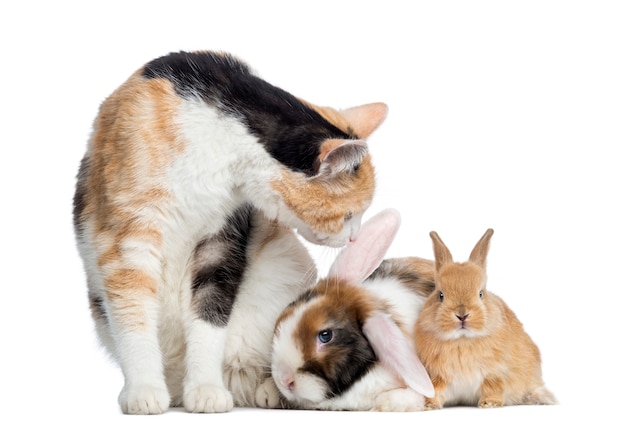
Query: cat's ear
{"x": 365, "y": 119}
{"x": 341, "y": 156}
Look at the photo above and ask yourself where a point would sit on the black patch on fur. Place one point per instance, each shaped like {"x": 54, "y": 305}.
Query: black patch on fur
{"x": 290, "y": 130}
{"x": 79, "y": 195}
{"x": 215, "y": 285}
{"x": 350, "y": 357}
{"x": 96, "y": 304}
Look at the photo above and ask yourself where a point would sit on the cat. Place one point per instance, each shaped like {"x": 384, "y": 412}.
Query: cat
{"x": 195, "y": 177}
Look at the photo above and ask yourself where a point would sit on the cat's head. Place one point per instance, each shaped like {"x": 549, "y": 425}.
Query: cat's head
{"x": 326, "y": 208}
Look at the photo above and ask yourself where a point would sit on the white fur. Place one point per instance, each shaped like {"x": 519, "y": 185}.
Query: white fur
{"x": 406, "y": 304}
{"x": 464, "y": 389}
{"x": 375, "y": 392}
{"x": 349, "y": 232}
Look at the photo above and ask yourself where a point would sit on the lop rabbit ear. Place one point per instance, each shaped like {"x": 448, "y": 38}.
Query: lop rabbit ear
{"x": 364, "y": 254}
{"x": 396, "y": 353}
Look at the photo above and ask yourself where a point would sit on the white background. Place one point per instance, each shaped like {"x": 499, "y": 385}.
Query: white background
{"x": 509, "y": 115}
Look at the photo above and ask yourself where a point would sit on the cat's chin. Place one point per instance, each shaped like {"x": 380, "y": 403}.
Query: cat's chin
{"x": 350, "y": 229}
{"x": 322, "y": 240}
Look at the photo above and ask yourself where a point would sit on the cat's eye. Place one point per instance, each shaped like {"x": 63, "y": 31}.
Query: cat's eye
{"x": 480, "y": 294}
{"x": 440, "y": 296}
{"x": 325, "y": 336}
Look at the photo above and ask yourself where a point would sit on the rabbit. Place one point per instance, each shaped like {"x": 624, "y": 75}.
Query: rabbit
{"x": 346, "y": 344}
{"x": 473, "y": 346}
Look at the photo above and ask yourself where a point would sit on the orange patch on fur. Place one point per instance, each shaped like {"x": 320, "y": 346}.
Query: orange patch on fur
{"x": 134, "y": 141}
{"x": 131, "y": 230}
{"x": 126, "y": 291}
{"x": 322, "y": 203}
{"x": 135, "y": 138}
{"x": 112, "y": 254}
{"x": 424, "y": 267}
{"x": 135, "y": 130}
{"x": 334, "y": 117}
{"x": 126, "y": 281}
{"x": 359, "y": 121}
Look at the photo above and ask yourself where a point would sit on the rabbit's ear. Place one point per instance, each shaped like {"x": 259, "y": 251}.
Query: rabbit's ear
{"x": 442, "y": 254}
{"x": 364, "y": 254}
{"x": 396, "y": 353}
{"x": 479, "y": 253}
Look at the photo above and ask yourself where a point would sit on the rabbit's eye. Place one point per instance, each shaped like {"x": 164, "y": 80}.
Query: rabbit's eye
{"x": 325, "y": 336}
{"x": 348, "y": 216}
{"x": 480, "y": 294}
{"x": 440, "y": 296}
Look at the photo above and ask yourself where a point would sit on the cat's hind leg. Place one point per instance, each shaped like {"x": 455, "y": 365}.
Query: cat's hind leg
{"x": 130, "y": 278}
{"x": 204, "y": 389}
{"x": 219, "y": 263}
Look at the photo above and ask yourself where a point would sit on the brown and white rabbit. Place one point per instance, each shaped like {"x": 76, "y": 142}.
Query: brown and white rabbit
{"x": 347, "y": 343}
{"x": 472, "y": 344}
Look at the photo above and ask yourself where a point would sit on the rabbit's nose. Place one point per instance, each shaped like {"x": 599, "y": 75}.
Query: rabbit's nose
{"x": 462, "y": 318}
{"x": 288, "y": 382}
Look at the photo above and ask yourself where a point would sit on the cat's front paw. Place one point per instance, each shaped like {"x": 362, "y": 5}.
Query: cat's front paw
{"x": 399, "y": 400}
{"x": 207, "y": 398}
{"x": 267, "y": 395}
{"x": 144, "y": 399}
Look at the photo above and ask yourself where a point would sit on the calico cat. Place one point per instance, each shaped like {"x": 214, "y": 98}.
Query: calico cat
{"x": 196, "y": 174}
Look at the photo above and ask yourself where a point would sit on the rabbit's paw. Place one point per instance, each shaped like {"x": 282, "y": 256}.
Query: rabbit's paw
{"x": 144, "y": 399}
{"x": 243, "y": 383}
{"x": 207, "y": 398}
{"x": 399, "y": 400}
{"x": 432, "y": 404}
{"x": 267, "y": 395}
{"x": 490, "y": 402}
{"x": 540, "y": 396}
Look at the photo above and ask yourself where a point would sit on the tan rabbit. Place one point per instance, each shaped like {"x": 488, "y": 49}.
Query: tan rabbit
{"x": 472, "y": 345}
